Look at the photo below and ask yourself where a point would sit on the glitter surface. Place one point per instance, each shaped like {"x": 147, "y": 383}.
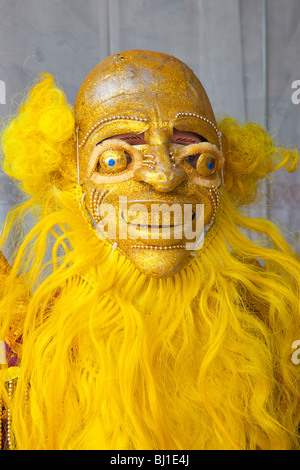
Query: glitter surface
{"x": 145, "y": 92}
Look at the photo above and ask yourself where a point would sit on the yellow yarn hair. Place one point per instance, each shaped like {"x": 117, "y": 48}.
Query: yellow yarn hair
{"x": 113, "y": 359}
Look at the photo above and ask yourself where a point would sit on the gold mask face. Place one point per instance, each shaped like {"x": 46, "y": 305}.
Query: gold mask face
{"x": 149, "y": 158}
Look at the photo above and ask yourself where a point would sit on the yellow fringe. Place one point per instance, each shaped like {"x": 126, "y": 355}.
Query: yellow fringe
{"x": 112, "y": 359}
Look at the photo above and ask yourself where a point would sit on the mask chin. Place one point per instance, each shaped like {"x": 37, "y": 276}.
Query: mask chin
{"x": 152, "y": 263}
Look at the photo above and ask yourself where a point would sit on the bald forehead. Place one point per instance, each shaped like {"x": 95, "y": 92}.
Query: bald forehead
{"x": 137, "y": 71}
{"x": 147, "y": 86}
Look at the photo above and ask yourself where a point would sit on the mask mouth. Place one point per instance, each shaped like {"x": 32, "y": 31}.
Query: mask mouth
{"x": 162, "y": 222}
{"x": 153, "y": 225}
{"x": 159, "y": 220}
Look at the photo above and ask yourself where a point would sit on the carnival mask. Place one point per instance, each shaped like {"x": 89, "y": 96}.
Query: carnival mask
{"x": 148, "y": 158}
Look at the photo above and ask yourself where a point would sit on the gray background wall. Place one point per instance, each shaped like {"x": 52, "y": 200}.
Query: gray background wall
{"x": 245, "y": 52}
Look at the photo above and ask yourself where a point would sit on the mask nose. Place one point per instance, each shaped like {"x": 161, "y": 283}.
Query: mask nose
{"x": 159, "y": 170}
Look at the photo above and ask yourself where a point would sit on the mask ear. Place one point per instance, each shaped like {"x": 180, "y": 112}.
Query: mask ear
{"x": 39, "y": 143}
{"x": 250, "y": 155}
{"x": 70, "y": 164}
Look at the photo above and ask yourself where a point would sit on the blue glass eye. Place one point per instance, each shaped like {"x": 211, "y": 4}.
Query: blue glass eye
{"x": 206, "y": 165}
{"x": 113, "y": 161}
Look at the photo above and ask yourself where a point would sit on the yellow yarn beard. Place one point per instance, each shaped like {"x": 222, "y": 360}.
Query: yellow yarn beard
{"x": 117, "y": 360}
{"x": 113, "y": 359}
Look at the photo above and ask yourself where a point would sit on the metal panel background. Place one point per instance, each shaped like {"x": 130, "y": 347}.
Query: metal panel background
{"x": 245, "y": 53}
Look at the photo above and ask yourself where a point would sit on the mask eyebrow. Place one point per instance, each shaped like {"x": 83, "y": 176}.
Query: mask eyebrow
{"x": 186, "y": 137}
{"x": 131, "y": 137}
{"x": 185, "y": 140}
{"x": 139, "y": 138}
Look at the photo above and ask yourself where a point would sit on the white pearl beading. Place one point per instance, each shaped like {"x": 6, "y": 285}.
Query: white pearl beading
{"x": 1, "y": 416}
{"x": 155, "y": 247}
{"x": 9, "y": 436}
{"x": 103, "y": 121}
{"x": 136, "y": 118}
{"x": 149, "y": 161}
{"x": 214, "y": 195}
{"x": 96, "y": 199}
{"x": 10, "y": 389}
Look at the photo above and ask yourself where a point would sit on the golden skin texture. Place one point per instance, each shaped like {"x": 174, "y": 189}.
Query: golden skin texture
{"x": 149, "y": 115}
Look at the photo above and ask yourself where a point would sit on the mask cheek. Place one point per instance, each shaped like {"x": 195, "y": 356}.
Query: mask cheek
{"x": 94, "y": 196}
{"x": 214, "y": 203}
{"x": 210, "y": 198}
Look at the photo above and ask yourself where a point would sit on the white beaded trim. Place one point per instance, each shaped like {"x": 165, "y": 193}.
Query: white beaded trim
{"x": 136, "y": 118}
{"x": 112, "y": 118}
{"x": 96, "y": 199}
{"x": 154, "y": 247}
{"x": 10, "y": 389}
{"x": 149, "y": 161}
{"x": 9, "y": 434}
{"x": 219, "y": 134}
{"x": 148, "y": 165}
{"x": 214, "y": 194}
